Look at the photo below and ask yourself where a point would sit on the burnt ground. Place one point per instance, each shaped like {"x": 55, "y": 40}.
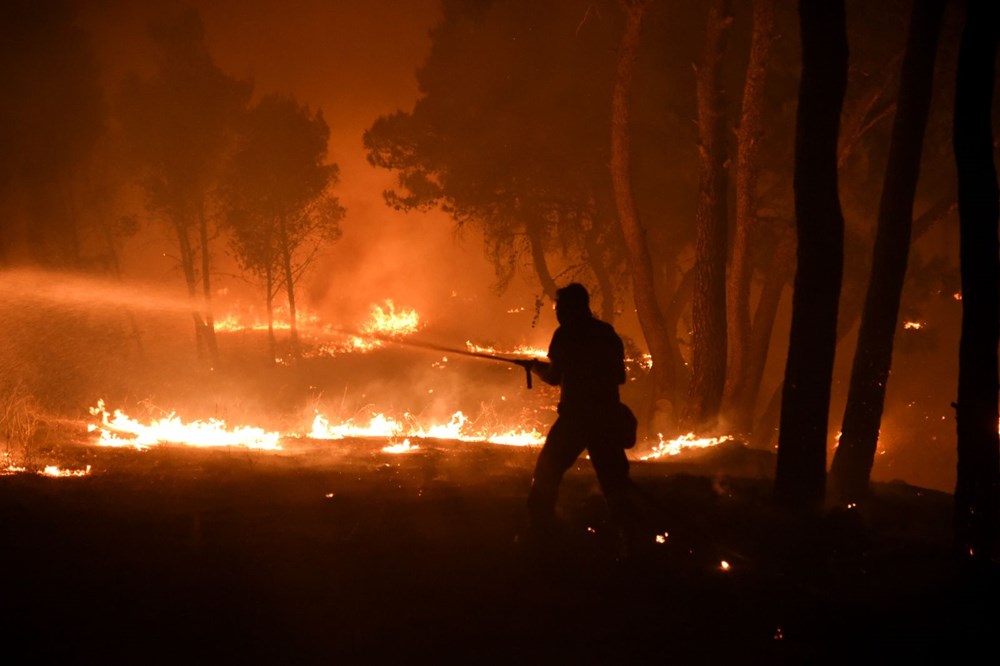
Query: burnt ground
{"x": 343, "y": 554}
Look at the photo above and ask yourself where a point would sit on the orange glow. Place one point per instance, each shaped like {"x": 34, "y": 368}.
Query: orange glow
{"x": 118, "y": 430}
{"x": 519, "y": 350}
{"x": 672, "y": 447}
{"x": 53, "y": 470}
{"x": 456, "y": 429}
{"x": 387, "y": 321}
{"x": 402, "y": 447}
{"x": 913, "y": 325}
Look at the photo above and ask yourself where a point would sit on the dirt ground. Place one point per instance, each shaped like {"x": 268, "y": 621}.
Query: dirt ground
{"x": 340, "y": 553}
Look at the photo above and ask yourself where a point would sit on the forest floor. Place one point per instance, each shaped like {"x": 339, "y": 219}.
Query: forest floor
{"x": 341, "y": 553}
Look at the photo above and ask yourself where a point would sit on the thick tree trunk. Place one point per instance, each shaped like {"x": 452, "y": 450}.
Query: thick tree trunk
{"x": 747, "y": 168}
{"x": 855, "y": 455}
{"x": 777, "y": 277}
{"x": 708, "y": 309}
{"x": 977, "y": 490}
{"x": 800, "y": 475}
{"x": 650, "y": 316}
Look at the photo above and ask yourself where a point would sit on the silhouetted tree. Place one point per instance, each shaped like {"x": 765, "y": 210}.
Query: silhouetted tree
{"x": 744, "y": 363}
{"x": 708, "y": 308}
{"x": 504, "y": 137}
{"x": 855, "y": 454}
{"x": 179, "y": 124}
{"x": 50, "y": 121}
{"x": 801, "y": 467}
{"x": 647, "y": 306}
{"x": 977, "y": 490}
{"x": 277, "y": 189}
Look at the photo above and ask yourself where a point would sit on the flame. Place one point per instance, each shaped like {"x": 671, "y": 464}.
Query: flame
{"x": 383, "y": 320}
{"x": 121, "y": 431}
{"x": 402, "y": 447}
{"x": 672, "y": 447}
{"x": 456, "y": 429}
{"x": 913, "y": 325}
{"x": 388, "y": 321}
{"x": 49, "y": 470}
{"x": 53, "y": 470}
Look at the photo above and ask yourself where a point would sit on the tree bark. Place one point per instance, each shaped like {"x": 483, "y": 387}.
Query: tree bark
{"x": 650, "y": 316}
{"x": 533, "y": 232}
{"x": 594, "y": 258}
{"x": 187, "y": 266}
{"x": 778, "y": 274}
{"x": 852, "y": 463}
{"x": 747, "y": 168}
{"x": 272, "y": 344}
{"x": 800, "y": 475}
{"x": 206, "y": 265}
{"x": 977, "y": 490}
{"x": 286, "y": 262}
{"x": 708, "y": 308}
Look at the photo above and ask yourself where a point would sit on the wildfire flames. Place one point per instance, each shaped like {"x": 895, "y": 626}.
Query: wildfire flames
{"x": 384, "y": 321}
{"x": 116, "y": 429}
{"x": 119, "y": 430}
{"x": 673, "y": 447}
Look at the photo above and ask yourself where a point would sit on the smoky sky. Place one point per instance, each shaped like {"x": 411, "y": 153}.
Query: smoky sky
{"x": 353, "y": 61}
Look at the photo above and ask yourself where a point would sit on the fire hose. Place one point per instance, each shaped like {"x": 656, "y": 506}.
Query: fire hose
{"x": 525, "y": 363}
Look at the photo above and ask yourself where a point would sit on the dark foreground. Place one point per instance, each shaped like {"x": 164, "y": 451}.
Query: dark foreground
{"x": 344, "y": 554}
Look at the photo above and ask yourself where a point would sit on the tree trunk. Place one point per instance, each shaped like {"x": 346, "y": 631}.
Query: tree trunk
{"x": 206, "y": 264}
{"x": 976, "y": 490}
{"x": 595, "y": 260}
{"x": 800, "y": 475}
{"x": 855, "y": 455}
{"x": 651, "y": 319}
{"x": 286, "y": 261}
{"x": 532, "y": 230}
{"x": 272, "y": 344}
{"x": 747, "y": 168}
{"x": 187, "y": 266}
{"x": 708, "y": 308}
{"x": 779, "y": 273}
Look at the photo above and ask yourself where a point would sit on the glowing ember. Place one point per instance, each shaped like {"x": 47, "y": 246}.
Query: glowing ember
{"x": 672, "y": 447}
{"x": 53, "y": 470}
{"x": 402, "y": 447}
{"x": 662, "y": 538}
{"x": 49, "y": 470}
{"x": 724, "y": 565}
{"x": 119, "y": 430}
{"x": 913, "y": 325}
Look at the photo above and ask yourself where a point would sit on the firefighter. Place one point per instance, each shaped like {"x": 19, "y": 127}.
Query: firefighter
{"x": 587, "y": 361}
